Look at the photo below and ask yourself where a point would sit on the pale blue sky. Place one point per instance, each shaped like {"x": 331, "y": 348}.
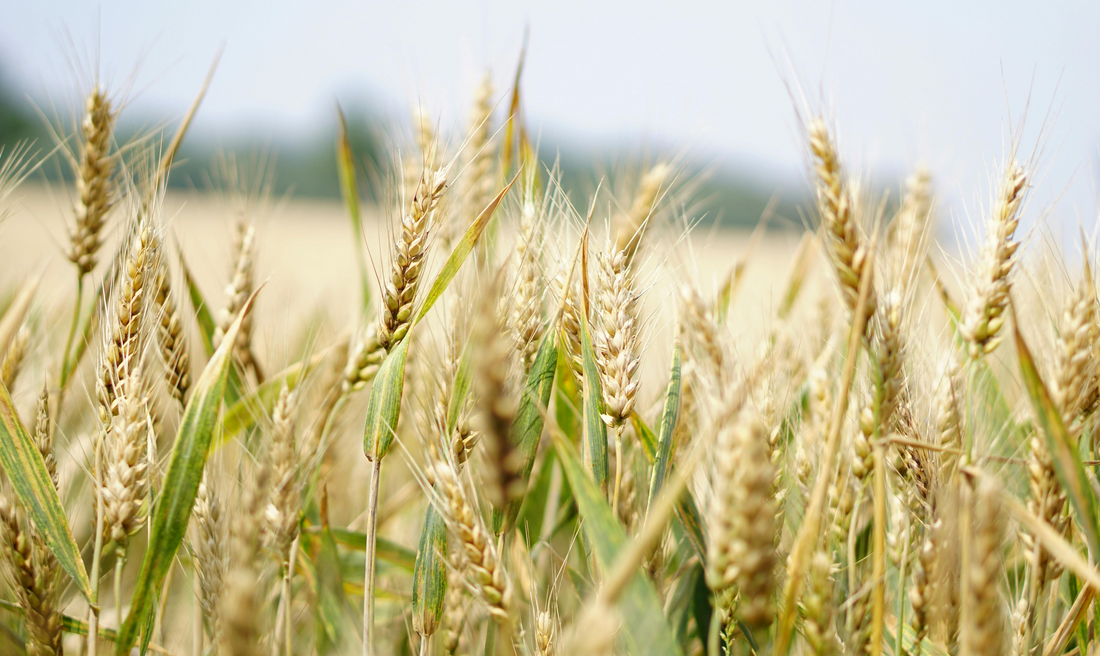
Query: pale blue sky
{"x": 934, "y": 80}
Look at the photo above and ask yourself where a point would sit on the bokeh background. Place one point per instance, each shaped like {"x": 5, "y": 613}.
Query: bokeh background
{"x": 717, "y": 84}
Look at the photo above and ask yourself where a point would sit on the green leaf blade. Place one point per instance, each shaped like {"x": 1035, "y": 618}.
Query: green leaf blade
{"x": 670, "y": 416}
{"x": 527, "y": 425}
{"x": 384, "y": 403}
{"x": 32, "y": 484}
{"x": 594, "y": 435}
{"x": 429, "y": 589}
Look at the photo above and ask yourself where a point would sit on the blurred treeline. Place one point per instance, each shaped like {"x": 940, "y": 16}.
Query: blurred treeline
{"x": 305, "y": 165}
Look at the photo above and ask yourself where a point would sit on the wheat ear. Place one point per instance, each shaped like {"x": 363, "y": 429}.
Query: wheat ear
{"x": 237, "y": 292}
{"x": 616, "y": 350}
{"x": 410, "y": 250}
{"x": 13, "y": 359}
{"x": 284, "y": 501}
{"x": 93, "y": 181}
{"x": 985, "y": 313}
{"x": 483, "y": 566}
{"x": 741, "y": 542}
{"x": 633, "y": 224}
{"x": 836, "y": 208}
{"x": 983, "y": 630}
{"x": 170, "y": 338}
{"x": 210, "y": 553}
{"x": 34, "y": 573}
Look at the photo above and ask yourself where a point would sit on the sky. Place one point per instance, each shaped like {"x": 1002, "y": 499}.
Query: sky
{"x": 953, "y": 84}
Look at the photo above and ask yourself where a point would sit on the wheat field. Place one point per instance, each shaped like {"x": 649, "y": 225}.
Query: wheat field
{"x": 485, "y": 416}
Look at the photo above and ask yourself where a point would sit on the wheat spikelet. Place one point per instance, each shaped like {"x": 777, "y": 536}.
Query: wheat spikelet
{"x": 363, "y": 363}
{"x": 544, "y": 633}
{"x": 887, "y": 382}
{"x": 482, "y": 563}
{"x": 236, "y": 293}
{"x": 835, "y": 205}
{"x": 284, "y": 500}
{"x": 983, "y": 632}
{"x": 632, "y": 225}
{"x": 410, "y": 249}
{"x": 170, "y": 338}
{"x": 616, "y": 345}
{"x": 13, "y": 359}
{"x": 984, "y": 316}
{"x": 93, "y": 181}
{"x": 126, "y": 480}
{"x": 741, "y": 547}
{"x": 1075, "y": 368}
{"x": 922, "y": 589}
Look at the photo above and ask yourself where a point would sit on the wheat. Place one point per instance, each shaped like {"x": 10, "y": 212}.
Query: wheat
{"x": 34, "y": 573}
{"x": 983, "y": 629}
{"x": 284, "y": 500}
{"x": 632, "y": 225}
{"x": 818, "y": 606}
{"x": 124, "y": 342}
{"x": 410, "y": 250}
{"x": 237, "y": 292}
{"x": 525, "y": 316}
{"x": 12, "y": 361}
{"x": 126, "y": 482}
{"x": 985, "y": 313}
{"x": 836, "y": 208}
{"x": 93, "y": 181}
{"x": 210, "y": 553}
{"x": 170, "y": 338}
{"x": 496, "y": 408}
{"x": 483, "y": 567}
{"x": 741, "y": 547}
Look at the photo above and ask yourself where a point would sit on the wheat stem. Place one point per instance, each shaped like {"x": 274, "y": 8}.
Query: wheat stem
{"x": 368, "y": 575}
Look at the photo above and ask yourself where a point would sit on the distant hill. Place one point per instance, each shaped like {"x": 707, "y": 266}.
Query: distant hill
{"x": 306, "y": 165}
